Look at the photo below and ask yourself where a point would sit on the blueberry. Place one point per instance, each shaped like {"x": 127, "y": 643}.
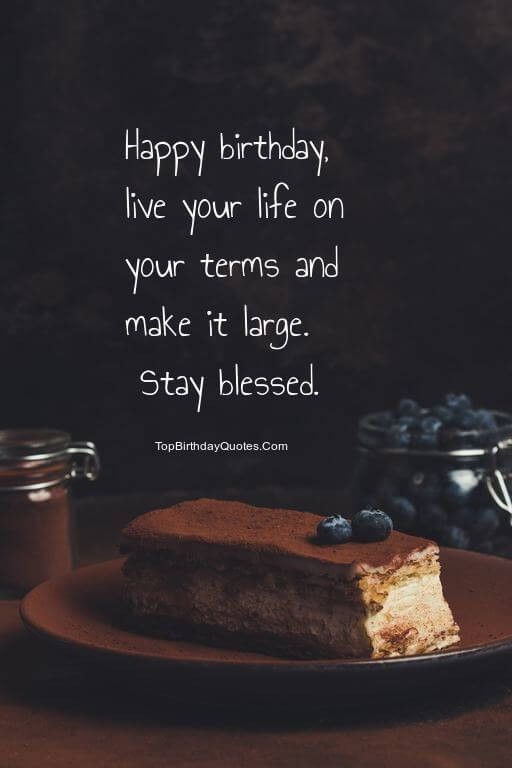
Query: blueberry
{"x": 334, "y": 530}
{"x": 425, "y": 441}
{"x": 445, "y": 415}
{"x": 408, "y": 422}
{"x": 398, "y": 436}
{"x": 453, "y": 536}
{"x": 371, "y": 525}
{"x": 458, "y": 402}
{"x": 430, "y": 424}
{"x": 465, "y": 402}
{"x": 454, "y": 495}
{"x": 408, "y": 407}
{"x": 483, "y": 523}
{"x": 403, "y": 513}
{"x": 466, "y": 420}
{"x": 460, "y": 516}
{"x": 485, "y": 420}
{"x": 432, "y": 519}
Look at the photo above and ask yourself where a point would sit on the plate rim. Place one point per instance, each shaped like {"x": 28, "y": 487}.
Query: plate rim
{"x": 454, "y": 655}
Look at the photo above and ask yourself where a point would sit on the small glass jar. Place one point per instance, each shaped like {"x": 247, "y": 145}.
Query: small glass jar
{"x": 457, "y": 496}
{"x": 36, "y": 526}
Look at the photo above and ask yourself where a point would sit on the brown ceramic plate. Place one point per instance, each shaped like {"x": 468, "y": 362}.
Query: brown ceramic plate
{"x": 83, "y": 612}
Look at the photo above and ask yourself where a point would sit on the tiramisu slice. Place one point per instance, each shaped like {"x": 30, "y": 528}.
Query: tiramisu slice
{"x": 227, "y": 572}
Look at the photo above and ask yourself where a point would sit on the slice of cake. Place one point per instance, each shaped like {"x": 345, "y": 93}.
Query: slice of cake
{"x": 227, "y": 572}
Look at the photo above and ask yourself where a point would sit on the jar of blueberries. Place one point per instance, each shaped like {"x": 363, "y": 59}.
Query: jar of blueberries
{"x": 443, "y": 472}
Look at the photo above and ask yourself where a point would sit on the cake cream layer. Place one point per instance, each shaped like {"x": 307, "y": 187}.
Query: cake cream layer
{"x": 254, "y": 577}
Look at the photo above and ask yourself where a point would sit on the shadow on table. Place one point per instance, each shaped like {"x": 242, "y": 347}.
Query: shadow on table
{"x": 35, "y": 674}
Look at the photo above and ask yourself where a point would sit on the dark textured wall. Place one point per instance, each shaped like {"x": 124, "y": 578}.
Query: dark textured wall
{"x": 414, "y": 101}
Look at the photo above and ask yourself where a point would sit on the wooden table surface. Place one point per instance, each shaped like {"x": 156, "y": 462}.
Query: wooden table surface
{"x": 59, "y": 710}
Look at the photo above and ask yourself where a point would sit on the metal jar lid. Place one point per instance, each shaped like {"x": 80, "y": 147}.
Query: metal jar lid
{"x": 43, "y": 447}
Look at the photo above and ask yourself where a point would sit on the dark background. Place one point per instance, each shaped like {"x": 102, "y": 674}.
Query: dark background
{"x": 413, "y": 99}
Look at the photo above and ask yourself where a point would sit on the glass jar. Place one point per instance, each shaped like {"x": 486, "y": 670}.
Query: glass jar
{"x": 457, "y": 496}
{"x": 36, "y": 527}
